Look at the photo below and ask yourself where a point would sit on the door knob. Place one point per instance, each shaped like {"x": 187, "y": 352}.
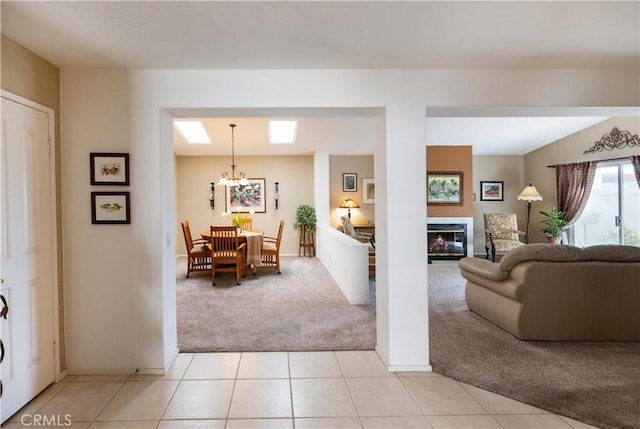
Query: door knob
{"x": 5, "y": 307}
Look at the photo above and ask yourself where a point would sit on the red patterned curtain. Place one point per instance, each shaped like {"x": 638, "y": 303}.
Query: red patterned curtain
{"x": 635, "y": 161}
{"x": 574, "y": 183}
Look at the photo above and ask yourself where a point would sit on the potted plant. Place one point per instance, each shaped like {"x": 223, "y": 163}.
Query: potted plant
{"x": 305, "y": 216}
{"x": 305, "y": 224}
{"x": 555, "y": 224}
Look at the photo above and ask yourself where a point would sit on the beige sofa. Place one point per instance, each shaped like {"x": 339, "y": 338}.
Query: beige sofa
{"x": 559, "y": 292}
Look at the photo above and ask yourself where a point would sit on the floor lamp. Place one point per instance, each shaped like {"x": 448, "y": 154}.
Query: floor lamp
{"x": 528, "y": 194}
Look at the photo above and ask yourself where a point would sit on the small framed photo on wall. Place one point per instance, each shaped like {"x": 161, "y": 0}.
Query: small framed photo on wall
{"x": 109, "y": 168}
{"x": 349, "y": 182}
{"x": 110, "y": 208}
{"x": 491, "y": 191}
{"x": 368, "y": 191}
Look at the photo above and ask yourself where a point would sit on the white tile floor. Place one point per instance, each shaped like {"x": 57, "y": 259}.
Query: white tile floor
{"x": 331, "y": 390}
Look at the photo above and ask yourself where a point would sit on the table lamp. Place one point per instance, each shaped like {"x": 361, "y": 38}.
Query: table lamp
{"x": 349, "y": 204}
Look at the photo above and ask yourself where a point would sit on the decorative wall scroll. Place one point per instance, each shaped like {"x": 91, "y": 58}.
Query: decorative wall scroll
{"x": 616, "y": 139}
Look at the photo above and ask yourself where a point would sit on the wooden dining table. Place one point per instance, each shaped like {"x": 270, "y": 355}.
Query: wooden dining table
{"x": 254, "y": 245}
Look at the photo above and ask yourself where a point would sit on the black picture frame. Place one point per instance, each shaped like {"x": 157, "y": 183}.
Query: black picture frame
{"x": 110, "y": 208}
{"x": 491, "y": 190}
{"x": 109, "y": 169}
{"x": 349, "y": 182}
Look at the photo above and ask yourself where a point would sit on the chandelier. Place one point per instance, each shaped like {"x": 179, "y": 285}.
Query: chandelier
{"x": 233, "y": 180}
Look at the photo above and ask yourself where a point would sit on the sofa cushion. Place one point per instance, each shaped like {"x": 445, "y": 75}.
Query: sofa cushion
{"x": 543, "y": 252}
{"x": 483, "y": 268}
{"x": 614, "y": 253}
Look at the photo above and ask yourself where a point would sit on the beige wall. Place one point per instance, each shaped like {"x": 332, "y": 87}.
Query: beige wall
{"x": 363, "y": 167}
{"x": 568, "y": 150}
{"x": 26, "y": 74}
{"x": 507, "y": 169}
{"x": 193, "y": 182}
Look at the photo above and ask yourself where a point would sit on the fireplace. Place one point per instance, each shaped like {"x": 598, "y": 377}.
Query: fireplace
{"x": 446, "y": 241}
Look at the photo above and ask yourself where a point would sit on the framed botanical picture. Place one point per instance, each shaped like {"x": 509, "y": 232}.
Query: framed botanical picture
{"x": 110, "y": 208}
{"x": 109, "y": 168}
{"x": 491, "y": 191}
{"x": 368, "y": 191}
{"x": 444, "y": 188}
{"x": 349, "y": 182}
{"x": 243, "y": 199}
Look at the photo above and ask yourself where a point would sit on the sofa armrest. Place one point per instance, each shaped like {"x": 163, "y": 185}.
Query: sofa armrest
{"x": 483, "y": 268}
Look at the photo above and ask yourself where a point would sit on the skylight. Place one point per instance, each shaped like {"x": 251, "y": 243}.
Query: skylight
{"x": 192, "y": 131}
{"x": 282, "y": 132}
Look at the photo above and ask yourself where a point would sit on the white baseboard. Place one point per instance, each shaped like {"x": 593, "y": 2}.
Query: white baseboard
{"x": 402, "y": 368}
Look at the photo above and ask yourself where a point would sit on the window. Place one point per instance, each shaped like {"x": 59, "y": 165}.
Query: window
{"x": 612, "y": 213}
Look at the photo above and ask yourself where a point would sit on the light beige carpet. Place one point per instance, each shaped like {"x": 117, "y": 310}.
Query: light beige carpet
{"x": 301, "y": 309}
{"x": 593, "y": 382}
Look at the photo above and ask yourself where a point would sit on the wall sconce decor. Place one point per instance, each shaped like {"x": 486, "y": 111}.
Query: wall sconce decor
{"x": 349, "y": 204}
{"x": 212, "y": 196}
{"x": 277, "y": 190}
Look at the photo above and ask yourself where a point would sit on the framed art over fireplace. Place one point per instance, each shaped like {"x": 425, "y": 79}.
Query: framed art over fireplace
{"x": 444, "y": 188}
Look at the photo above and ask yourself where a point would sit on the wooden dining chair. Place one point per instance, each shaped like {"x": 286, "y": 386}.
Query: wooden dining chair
{"x": 247, "y": 225}
{"x": 198, "y": 258}
{"x": 227, "y": 253}
{"x": 271, "y": 251}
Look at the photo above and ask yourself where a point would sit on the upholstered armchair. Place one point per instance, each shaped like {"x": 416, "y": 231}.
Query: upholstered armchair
{"x": 501, "y": 233}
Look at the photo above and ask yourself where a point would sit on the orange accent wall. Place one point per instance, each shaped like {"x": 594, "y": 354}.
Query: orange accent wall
{"x": 453, "y": 158}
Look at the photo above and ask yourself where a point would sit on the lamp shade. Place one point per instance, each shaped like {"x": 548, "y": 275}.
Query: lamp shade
{"x": 530, "y": 193}
{"x": 349, "y": 204}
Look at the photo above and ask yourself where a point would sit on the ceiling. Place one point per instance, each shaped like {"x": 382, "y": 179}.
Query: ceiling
{"x": 338, "y": 35}
{"x": 327, "y": 34}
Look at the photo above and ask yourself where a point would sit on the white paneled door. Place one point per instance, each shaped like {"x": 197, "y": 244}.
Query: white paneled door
{"x": 26, "y": 246}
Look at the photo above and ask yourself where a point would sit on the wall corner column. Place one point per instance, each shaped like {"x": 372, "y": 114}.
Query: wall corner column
{"x": 401, "y": 278}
